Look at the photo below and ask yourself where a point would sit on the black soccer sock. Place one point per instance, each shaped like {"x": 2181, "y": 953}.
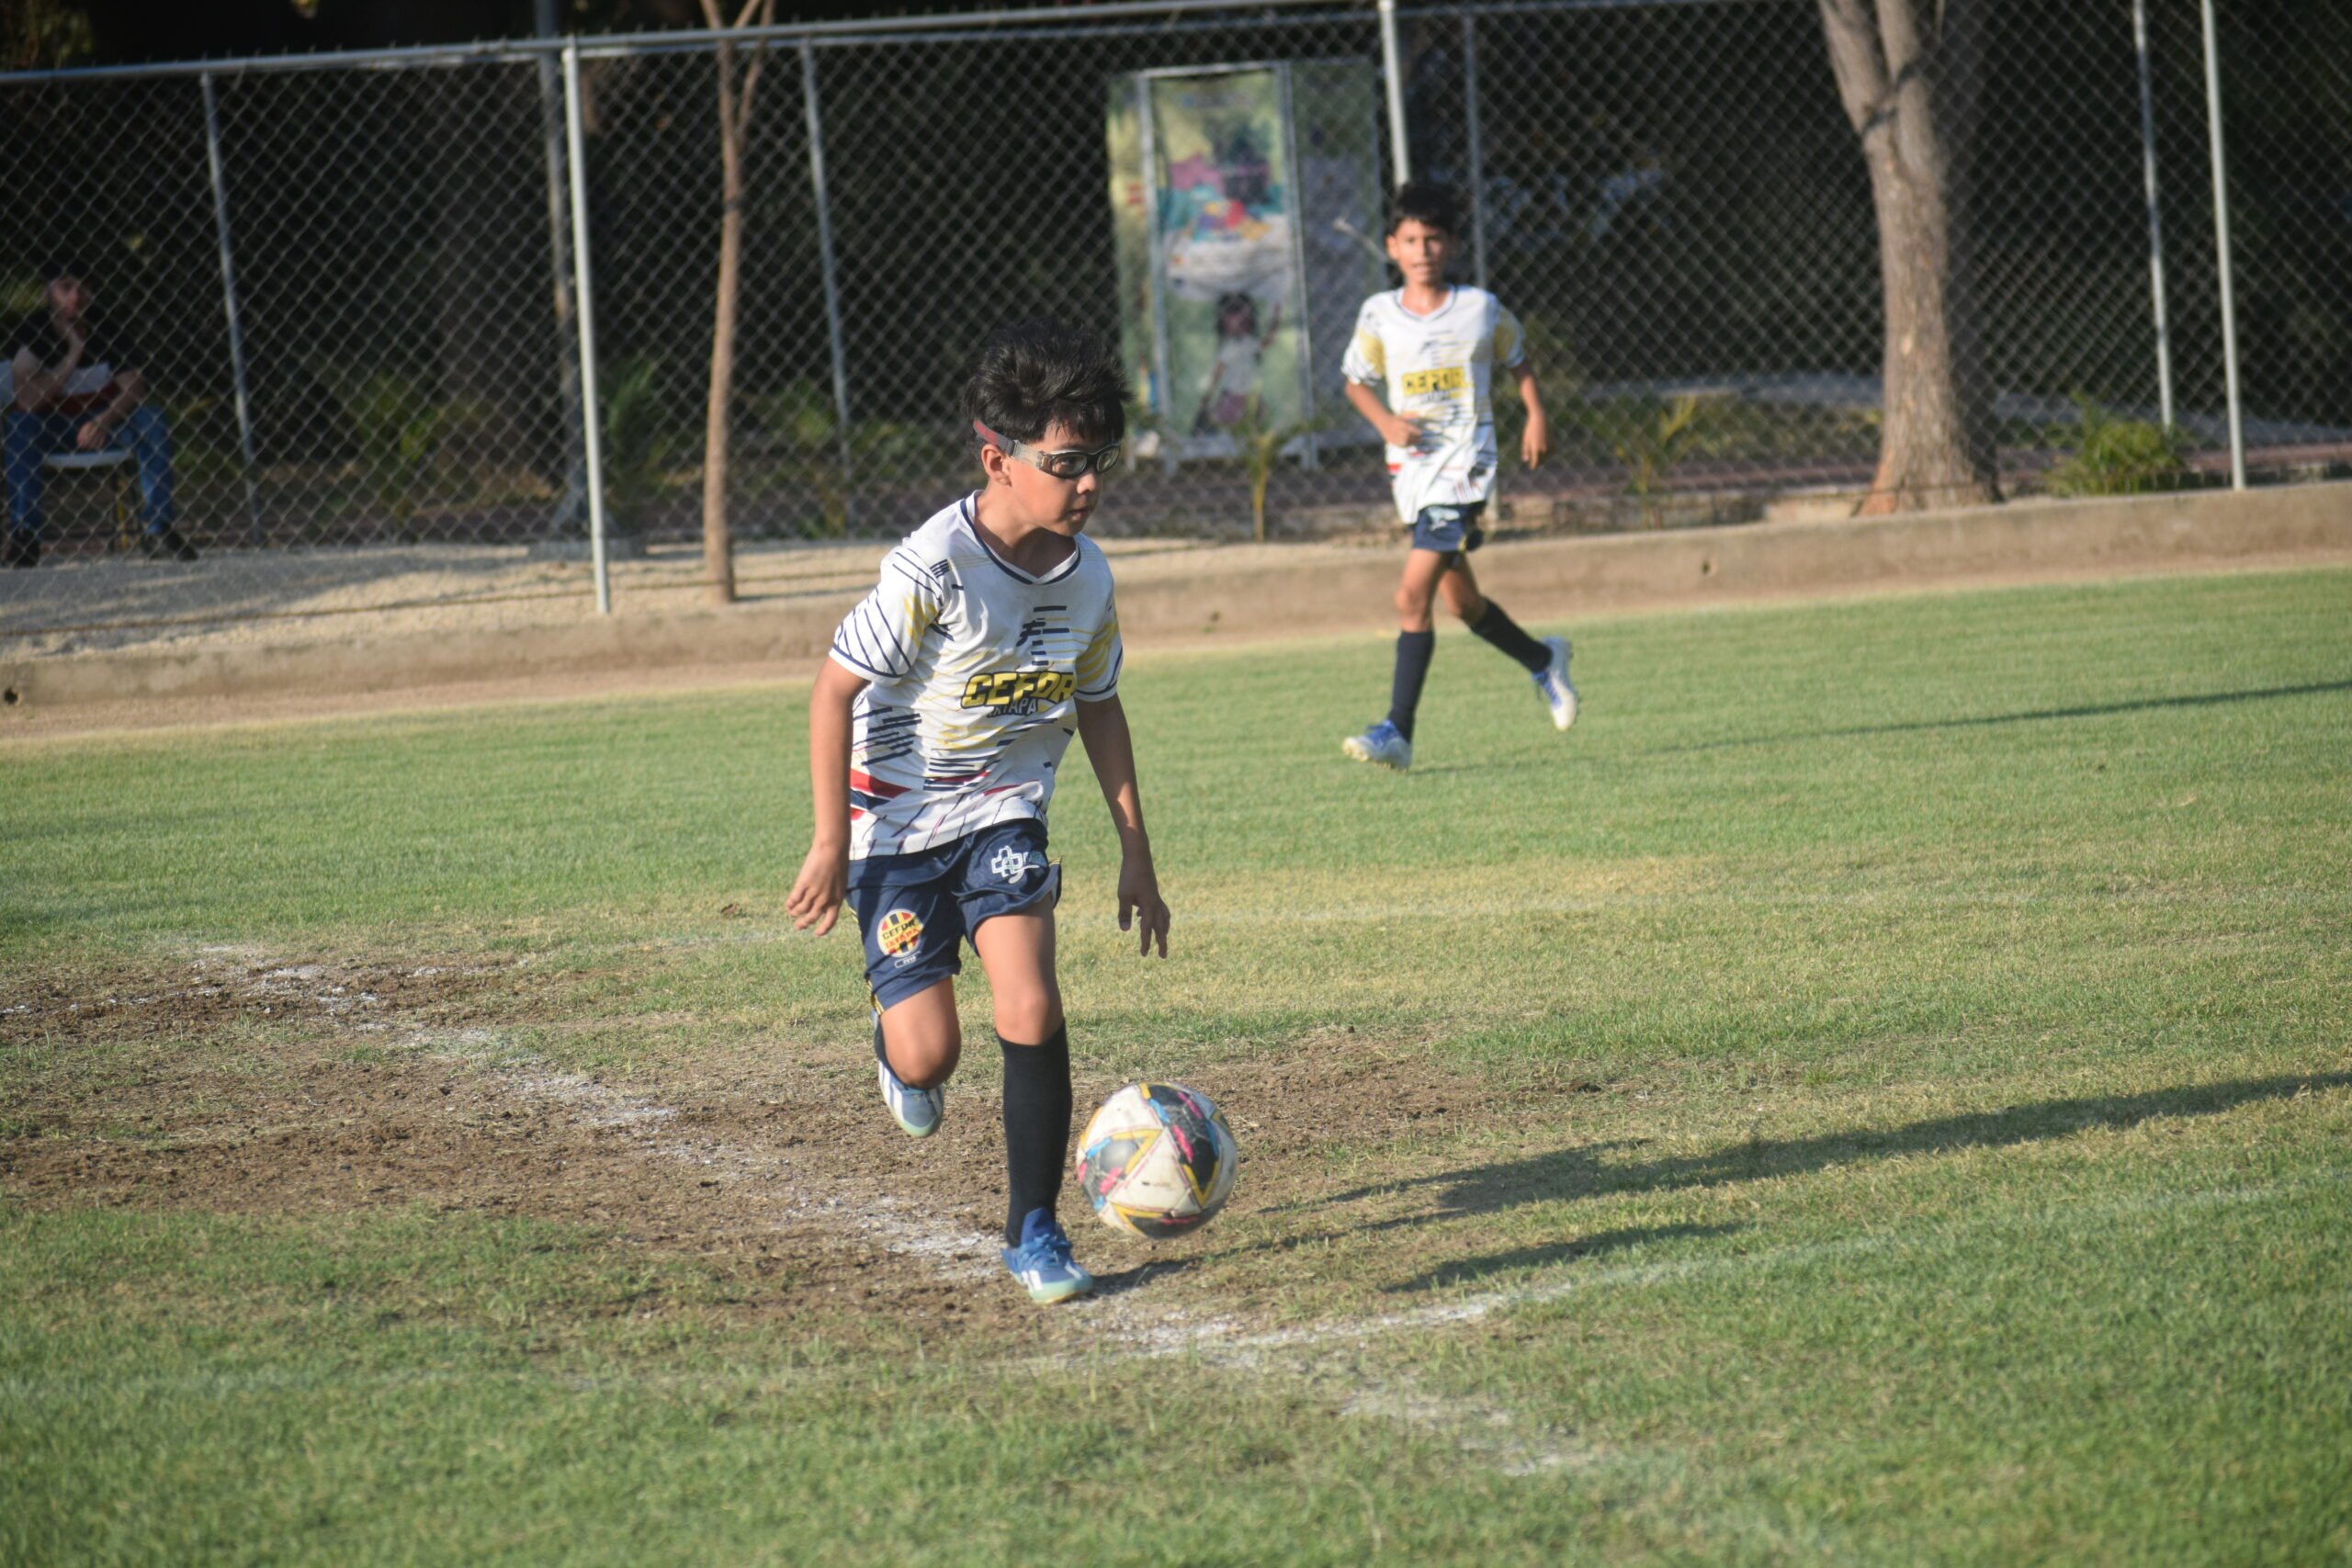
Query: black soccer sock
{"x": 1503, "y": 632}
{"x": 1036, "y": 1126}
{"x": 1413, "y": 651}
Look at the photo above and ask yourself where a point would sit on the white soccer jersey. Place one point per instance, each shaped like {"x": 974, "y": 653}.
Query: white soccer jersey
{"x": 975, "y": 669}
{"x": 1438, "y": 370}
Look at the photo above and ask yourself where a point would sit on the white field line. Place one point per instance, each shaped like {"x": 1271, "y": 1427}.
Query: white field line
{"x": 1331, "y": 1353}
{"x": 1326, "y": 1353}
{"x": 1129, "y": 1332}
{"x": 774, "y": 1181}
{"x": 1223, "y": 1342}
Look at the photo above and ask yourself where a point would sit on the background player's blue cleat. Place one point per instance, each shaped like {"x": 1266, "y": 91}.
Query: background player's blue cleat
{"x": 1042, "y": 1262}
{"x": 1380, "y": 744}
{"x": 1552, "y": 684}
{"x": 916, "y": 1110}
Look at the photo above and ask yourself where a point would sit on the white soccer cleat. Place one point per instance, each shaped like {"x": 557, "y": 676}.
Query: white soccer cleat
{"x": 1553, "y": 685}
{"x": 1381, "y": 744}
{"x": 916, "y": 1110}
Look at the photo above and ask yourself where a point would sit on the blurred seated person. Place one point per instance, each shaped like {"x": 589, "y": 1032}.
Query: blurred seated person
{"x": 82, "y": 387}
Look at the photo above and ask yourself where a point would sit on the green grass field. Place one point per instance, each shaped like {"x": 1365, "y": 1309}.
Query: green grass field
{"x": 1879, "y": 1090}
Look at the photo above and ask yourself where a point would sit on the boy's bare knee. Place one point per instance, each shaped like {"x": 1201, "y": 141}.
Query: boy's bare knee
{"x": 923, "y": 1038}
{"x": 925, "y": 1061}
{"x": 1030, "y": 1017}
{"x": 1467, "y": 608}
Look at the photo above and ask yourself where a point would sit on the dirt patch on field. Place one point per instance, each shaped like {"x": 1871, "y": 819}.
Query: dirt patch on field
{"x": 238, "y": 1086}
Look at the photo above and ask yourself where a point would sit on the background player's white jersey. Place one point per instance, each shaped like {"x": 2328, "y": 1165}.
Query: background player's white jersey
{"x": 1438, "y": 370}
{"x": 976, "y": 671}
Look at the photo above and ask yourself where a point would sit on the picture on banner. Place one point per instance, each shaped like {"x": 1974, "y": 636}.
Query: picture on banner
{"x": 1213, "y": 258}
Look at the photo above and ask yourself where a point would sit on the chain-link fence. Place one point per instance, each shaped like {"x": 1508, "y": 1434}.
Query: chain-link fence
{"x": 352, "y": 284}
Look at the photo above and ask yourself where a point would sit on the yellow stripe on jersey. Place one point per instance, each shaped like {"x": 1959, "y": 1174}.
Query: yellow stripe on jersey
{"x": 1374, "y": 354}
{"x": 1094, "y": 664}
{"x": 1445, "y": 379}
{"x": 921, "y": 616}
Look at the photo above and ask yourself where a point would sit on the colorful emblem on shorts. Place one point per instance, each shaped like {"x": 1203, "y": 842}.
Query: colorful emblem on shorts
{"x": 897, "y": 934}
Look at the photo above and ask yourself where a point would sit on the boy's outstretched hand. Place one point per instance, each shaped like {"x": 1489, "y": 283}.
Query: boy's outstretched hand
{"x": 817, "y": 893}
{"x": 1141, "y": 909}
{"x": 1536, "y": 439}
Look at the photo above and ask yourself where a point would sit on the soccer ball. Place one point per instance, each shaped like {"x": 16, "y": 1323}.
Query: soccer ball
{"x": 1157, "y": 1160}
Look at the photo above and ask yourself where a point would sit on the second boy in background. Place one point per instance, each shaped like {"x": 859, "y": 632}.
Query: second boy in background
{"x": 1421, "y": 369}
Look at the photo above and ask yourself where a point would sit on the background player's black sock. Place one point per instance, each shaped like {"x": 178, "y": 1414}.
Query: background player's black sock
{"x": 1413, "y": 651}
{"x": 1036, "y": 1126}
{"x": 1503, "y": 632}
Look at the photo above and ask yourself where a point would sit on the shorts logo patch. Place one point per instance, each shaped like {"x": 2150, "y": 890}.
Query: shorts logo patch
{"x": 897, "y": 934}
{"x": 1011, "y": 864}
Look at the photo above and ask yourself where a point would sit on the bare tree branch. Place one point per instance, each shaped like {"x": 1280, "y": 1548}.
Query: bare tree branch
{"x": 1854, "y": 55}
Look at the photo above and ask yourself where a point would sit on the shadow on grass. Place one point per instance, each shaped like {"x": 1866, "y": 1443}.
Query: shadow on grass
{"x": 2093, "y": 710}
{"x": 1121, "y": 1281}
{"x": 1579, "y": 1172}
{"x": 1464, "y": 1270}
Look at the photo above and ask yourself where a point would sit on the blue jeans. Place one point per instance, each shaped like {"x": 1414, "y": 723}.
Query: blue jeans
{"x": 33, "y": 437}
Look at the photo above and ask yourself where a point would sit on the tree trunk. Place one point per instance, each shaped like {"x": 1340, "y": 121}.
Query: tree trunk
{"x": 1907, "y": 76}
{"x": 734, "y": 122}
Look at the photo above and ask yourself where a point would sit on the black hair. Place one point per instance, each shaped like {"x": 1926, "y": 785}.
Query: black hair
{"x": 1034, "y": 375}
{"x": 1426, "y": 201}
{"x": 65, "y": 263}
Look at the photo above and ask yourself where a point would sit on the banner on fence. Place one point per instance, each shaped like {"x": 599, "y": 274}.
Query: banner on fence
{"x": 1241, "y": 198}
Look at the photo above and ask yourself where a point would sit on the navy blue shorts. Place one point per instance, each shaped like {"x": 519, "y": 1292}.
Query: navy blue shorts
{"x": 916, "y": 911}
{"x": 1450, "y": 530}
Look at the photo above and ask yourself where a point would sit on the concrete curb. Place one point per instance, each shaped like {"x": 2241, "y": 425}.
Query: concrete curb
{"x": 1249, "y": 592}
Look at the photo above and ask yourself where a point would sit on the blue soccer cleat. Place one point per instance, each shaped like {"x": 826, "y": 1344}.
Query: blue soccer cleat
{"x": 916, "y": 1110}
{"x": 1380, "y": 744}
{"x": 1552, "y": 684}
{"x": 1042, "y": 1262}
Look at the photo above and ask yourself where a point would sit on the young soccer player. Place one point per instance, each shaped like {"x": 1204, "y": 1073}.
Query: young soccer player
{"x": 1433, "y": 349}
{"x": 933, "y": 733}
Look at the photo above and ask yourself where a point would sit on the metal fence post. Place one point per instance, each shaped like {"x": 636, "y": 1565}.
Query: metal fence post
{"x": 2155, "y": 214}
{"x": 1400, "y": 157}
{"x": 2222, "y": 243}
{"x": 575, "y": 498}
{"x": 1477, "y": 147}
{"x": 832, "y": 276}
{"x": 582, "y": 275}
{"x": 229, "y": 305}
{"x": 1311, "y": 453}
{"x": 1164, "y": 394}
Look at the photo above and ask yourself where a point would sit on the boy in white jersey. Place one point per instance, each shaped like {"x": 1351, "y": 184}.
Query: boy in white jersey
{"x": 934, "y": 729}
{"x": 1432, "y": 350}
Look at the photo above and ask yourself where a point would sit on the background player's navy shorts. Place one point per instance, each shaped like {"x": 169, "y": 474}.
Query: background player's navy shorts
{"x": 915, "y": 910}
{"x": 1450, "y": 530}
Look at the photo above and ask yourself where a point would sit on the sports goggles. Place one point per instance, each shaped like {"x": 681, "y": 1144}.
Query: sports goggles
{"x": 1073, "y": 464}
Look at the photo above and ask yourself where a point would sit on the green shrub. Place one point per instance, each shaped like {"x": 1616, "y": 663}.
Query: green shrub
{"x": 1651, "y": 437}
{"x": 2122, "y": 456}
{"x": 639, "y": 441}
